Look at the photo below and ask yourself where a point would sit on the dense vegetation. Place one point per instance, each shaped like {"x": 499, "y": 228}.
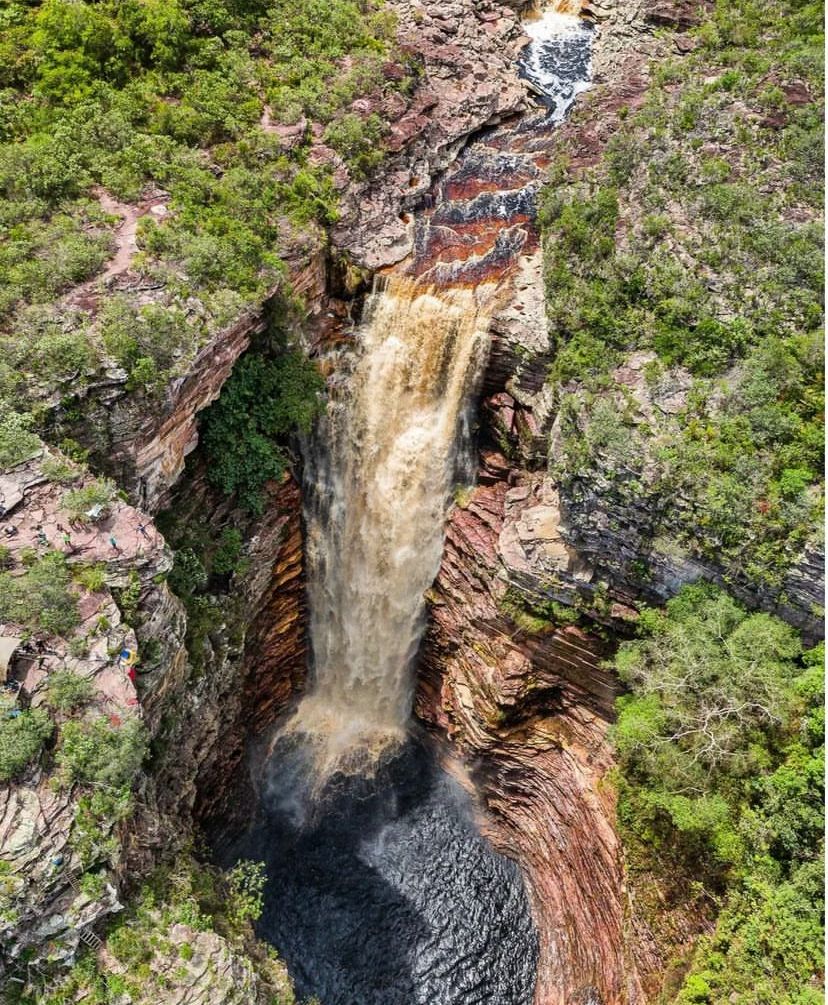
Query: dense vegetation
{"x": 721, "y": 752}
{"x": 264, "y": 400}
{"x": 685, "y": 299}
{"x": 181, "y": 101}
{"x": 697, "y": 240}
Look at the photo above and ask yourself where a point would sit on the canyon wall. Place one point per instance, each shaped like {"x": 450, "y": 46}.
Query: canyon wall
{"x": 528, "y": 711}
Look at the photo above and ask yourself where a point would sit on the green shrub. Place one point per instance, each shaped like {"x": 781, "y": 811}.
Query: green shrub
{"x": 21, "y": 739}
{"x": 93, "y": 884}
{"x": 263, "y": 401}
{"x": 79, "y": 502}
{"x": 42, "y": 598}
{"x": 246, "y": 881}
{"x": 91, "y": 577}
{"x": 52, "y": 350}
{"x": 96, "y": 814}
{"x": 188, "y": 575}
{"x": 67, "y": 690}
{"x": 146, "y": 341}
{"x": 17, "y": 441}
{"x": 59, "y": 471}
{"x": 129, "y": 598}
{"x": 357, "y": 140}
{"x": 227, "y": 557}
{"x": 94, "y": 752}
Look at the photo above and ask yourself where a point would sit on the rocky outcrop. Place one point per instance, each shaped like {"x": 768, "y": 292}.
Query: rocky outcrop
{"x": 527, "y": 704}
{"x": 46, "y": 904}
{"x": 468, "y": 53}
{"x": 143, "y": 443}
{"x": 192, "y": 967}
{"x": 201, "y": 722}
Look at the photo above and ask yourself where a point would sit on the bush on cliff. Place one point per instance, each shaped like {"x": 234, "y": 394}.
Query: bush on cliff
{"x": 21, "y": 738}
{"x": 721, "y": 753}
{"x": 67, "y": 690}
{"x": 17, "y": 441}
{"x": 184, "y": 911}
{"x": 42, "y": 598}
{"x": 94, "y": 497}
{"x": 244, "y": 431}
{"x": 145, "y": 341}
{"x": 97, "y": 753}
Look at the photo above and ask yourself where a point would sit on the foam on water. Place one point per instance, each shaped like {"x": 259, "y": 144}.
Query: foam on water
{"x": 558, "y": 59}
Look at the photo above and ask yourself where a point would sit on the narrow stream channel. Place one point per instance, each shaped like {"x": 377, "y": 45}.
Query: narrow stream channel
{"x": 381, "y": 890}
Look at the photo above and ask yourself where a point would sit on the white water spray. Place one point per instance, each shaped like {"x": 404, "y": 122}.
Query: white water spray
{"x": 557, "y": 60}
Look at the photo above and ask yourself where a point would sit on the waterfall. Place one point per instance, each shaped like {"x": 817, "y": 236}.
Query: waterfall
{"x": 379, "y": 472}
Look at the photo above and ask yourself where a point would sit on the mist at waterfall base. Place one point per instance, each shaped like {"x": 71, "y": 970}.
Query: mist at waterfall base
{"x": 381, "y": 891}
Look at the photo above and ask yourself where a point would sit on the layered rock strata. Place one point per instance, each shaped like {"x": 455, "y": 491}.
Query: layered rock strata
{"x": 529, "y": 710}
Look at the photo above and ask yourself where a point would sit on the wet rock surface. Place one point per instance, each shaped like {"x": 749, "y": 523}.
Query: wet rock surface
{"x": 381, "y": 890}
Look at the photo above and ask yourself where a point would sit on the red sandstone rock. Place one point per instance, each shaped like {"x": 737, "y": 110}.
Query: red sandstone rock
{"x": 533, "y": 712}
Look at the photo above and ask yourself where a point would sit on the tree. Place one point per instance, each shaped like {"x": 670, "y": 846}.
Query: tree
{"x": 720, "y": 745}
{"x": 705, "y": 676}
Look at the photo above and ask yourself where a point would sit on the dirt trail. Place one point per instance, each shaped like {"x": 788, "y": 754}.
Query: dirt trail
{"x": 126, "y": 242}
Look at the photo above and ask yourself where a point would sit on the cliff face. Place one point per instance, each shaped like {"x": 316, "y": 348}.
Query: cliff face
{"x": 518, "y": 690}
{"x": 48, "y": 838}
{"x": 468, "y": 52}
{"x": 529, "y": 709}
{"x": 144, "y": 443}
{"x": 251, "y": 660}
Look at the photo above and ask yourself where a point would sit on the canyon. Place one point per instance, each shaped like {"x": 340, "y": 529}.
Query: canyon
{"x": 393, "y": 572}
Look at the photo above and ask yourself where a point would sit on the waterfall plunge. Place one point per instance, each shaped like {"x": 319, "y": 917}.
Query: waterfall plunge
{"x": 379, "y": 472}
